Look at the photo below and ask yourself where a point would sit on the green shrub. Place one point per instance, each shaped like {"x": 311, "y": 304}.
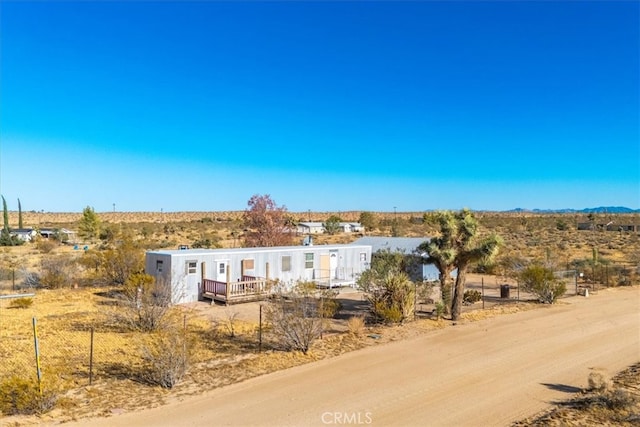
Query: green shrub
{"x": 386, "y": 313}
{"x": 471, "y": 296}
{"x": 540, "y": 281}
{"x": 20, "y": 396}
{"x": 23, "y": 302}
{"x": 439, "y": 310}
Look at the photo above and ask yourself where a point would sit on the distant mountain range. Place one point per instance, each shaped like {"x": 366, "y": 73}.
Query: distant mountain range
{"x": 601, "y": 209}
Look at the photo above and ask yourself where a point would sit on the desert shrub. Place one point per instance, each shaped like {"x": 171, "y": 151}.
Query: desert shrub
{"x": 392, "y": 295}
{"x": 46, "y": 246}
{"x": 30, "y": 279}
{"x": 471, "y": 296}
{"x": 165, "y": 357}
{"x": 57, "y": 272}
{"x": 20, "y": 396}
{"x": 618, "y": 399}
{"x": 329, "y": 305}
{"x": 598, "y": 382}
{"x": 295, "y": 319}
{"x": 144, "y": 304}
{"x": 230, "y": 322}
{"x": 541, "y": 282}
{"x": 355, "y": 325}
{"x": 24, "y": 302}
{"x": 439, "y": 309}
{"x": 114, "y": 265}
{"x": 387, "y": 313}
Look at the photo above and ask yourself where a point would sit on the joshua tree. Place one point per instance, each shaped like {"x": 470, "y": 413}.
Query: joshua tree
{"x": 458, "y": 247}
{"x": 441, "y": 253}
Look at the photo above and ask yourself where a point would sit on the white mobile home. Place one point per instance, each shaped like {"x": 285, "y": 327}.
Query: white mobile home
{"x": 233, "y": 275}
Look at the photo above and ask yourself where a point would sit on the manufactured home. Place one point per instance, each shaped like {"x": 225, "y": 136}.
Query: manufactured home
{"x": 242, "y": 274}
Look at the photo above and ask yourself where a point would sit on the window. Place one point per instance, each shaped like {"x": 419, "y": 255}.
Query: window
{"x": 286, "y": 263}
{"x": 192, "y": 267}
{"x": 248, "y": 264}
{"x": 363, "y": 256}
{"x": 158, "y": 266}
{"x": 308, "y": 260}
{"x": 221, "y": 268}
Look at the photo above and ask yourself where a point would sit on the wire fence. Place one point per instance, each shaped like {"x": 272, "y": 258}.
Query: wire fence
{"x": 74, "y": 357}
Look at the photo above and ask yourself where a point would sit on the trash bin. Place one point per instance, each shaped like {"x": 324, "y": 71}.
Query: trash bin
{"x": 504, "y": 291}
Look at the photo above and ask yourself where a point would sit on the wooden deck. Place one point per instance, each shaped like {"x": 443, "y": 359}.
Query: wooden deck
{"x": 249, "y": 288}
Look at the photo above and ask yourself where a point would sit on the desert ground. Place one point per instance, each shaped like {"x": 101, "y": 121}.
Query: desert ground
{"x": 477, "y": 373}
{"x": 505, "y": 361}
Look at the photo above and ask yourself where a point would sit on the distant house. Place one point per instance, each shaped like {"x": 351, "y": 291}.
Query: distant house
{"x": 409, "y": 247}
{"x": 310, "y": 228}
{"x": 241, "y": 274}
{"x": 318, "y": 227}
{"x": 609, "y": 226}
{"x": 63, "y": 234}
{"x": 24, "y": 234}
{"x": 351, "y": 227}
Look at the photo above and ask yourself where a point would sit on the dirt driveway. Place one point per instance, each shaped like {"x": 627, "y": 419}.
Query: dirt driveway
{"x": 485, "y": 373}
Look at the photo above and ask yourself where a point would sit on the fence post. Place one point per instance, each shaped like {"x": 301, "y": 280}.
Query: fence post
{"x": 35, "y": 343}
{"x": 415, "y": 301}
{"x": 184, "y": 338}
{"x": 260, "y": 332}
{"x": 482, "y": 281}
{"x": 91, "y": 359}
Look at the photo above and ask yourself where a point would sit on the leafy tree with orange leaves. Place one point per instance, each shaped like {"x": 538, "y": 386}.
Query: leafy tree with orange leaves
{"x": 266, "y": 223}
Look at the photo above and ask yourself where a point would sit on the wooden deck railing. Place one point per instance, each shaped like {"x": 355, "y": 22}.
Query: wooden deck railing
{"x": 248, "y": 286}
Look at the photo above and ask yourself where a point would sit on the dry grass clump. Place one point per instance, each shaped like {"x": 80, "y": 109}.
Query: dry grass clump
{"x": 356, "y": 325}
{"x": 22, "y": 396}
{"x": 24, "y": 302}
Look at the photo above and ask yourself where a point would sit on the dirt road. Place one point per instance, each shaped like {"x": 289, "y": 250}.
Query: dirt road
{"x": 484, "y": 373}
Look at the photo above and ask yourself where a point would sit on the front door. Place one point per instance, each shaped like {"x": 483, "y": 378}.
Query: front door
{"x": 325, "y": 266}
{"x": 221, "y": 270}
{"x": 333, "y": 264}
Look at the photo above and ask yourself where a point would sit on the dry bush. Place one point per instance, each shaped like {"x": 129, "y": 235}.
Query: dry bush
{"x": 230, "y": 321}
{"x": 356, "y": 325}
{"x": 166, "y": 358}
{"x": 598, "y": 382}
{"x": 20, "y": 396}
{"x": 144, "y": 304}
{"x": 57, "y": 272}
{"x": 24, "y": 302}
{"x": 295, "y": 318}
{"x": 46, "y": 246}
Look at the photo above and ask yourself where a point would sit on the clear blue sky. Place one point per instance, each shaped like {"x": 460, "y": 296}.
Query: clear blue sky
{"x": 325, "y": 106}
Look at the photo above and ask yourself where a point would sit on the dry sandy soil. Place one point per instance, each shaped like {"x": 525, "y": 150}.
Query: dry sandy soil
{"x": 494, "y": 371}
